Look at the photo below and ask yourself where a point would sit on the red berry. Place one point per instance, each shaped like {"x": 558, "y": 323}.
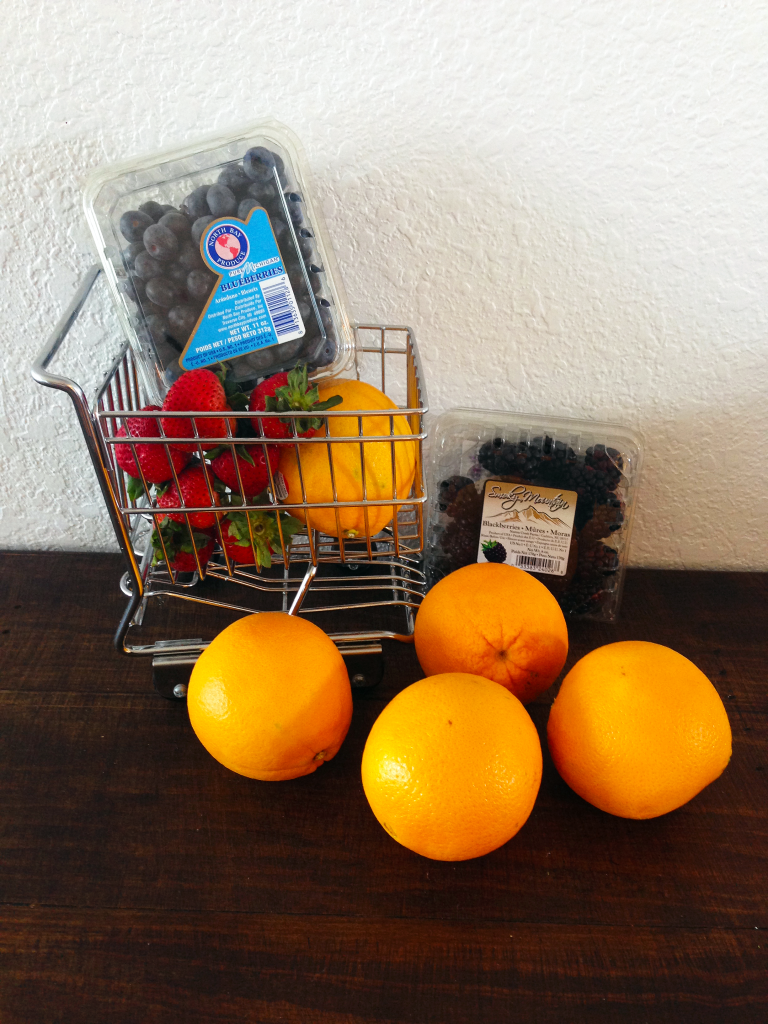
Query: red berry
{"x": 255, "y": 477}
{"x": 237, "y": 552}
{"x": 196, "y": 391}
{"x": 289, "y": 393}
{"x": 184, "y": 561}
{"x": 153, "y": 458}
{"x": 194, "y": 484}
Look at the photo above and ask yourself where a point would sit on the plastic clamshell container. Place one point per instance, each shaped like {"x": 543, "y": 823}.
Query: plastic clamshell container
{"x": 163, "y": 286}
{"x": 587, "y": 471}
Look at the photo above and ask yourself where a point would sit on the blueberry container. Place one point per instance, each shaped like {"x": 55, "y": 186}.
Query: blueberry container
{"x": 550, "y": 495}
{"x": 215, "y": 252}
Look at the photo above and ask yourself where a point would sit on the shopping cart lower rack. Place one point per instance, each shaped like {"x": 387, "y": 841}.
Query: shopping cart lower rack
{"x": 374, "y": 577}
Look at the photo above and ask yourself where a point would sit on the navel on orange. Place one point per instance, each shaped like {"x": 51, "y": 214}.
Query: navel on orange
{"x": 452, "y": 766}
{"x": 494, "y": 621}
{"x": 270, "y": 697}
{"x": 638, "y": 730}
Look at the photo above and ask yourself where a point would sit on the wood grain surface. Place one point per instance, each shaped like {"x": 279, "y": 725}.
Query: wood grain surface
{"x": 142, "y": 881}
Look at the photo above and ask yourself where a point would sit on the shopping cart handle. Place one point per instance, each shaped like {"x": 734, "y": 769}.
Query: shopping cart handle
{"x": 40, "y": 366}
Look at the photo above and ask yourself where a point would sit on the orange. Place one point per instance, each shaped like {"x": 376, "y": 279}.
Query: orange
{"x": 638, "y": 730}
{"x": 270, "y": 697}
{"x": 377, "y": 461}
{"x": 452, "y": 766}
{"x": 495, "y": 621}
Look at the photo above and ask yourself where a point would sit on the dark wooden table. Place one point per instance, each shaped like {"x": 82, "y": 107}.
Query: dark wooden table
{"x": 143, "y": 882}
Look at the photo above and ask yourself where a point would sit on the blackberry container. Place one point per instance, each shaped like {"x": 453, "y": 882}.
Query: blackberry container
{"x": 552, "y": 496}
{"x": 154, "y": 220}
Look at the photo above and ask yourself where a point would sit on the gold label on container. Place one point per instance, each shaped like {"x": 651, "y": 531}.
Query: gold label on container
{"x": 527, "y": 526}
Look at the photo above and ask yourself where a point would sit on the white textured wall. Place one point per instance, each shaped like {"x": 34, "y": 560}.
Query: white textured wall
{"x": 565, "y": 199}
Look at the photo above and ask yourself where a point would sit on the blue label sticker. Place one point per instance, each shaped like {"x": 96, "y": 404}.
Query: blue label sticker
{"x": 252, "y": 305}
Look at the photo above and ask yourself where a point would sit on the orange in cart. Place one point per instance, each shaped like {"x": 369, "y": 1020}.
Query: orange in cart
{"x": 270, "y": 697}
{"x": 495, "y": 621}
{"x": 638, "y": 730}
{"x": 452, "y": 766}
{"x": 384, "y": 471}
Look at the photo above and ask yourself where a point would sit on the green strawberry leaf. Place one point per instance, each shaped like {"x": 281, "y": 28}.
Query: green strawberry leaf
{"x": 238, "y": 401}
{"x": 135, "y": 488}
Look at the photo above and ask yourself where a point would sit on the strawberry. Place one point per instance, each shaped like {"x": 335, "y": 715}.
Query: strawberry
{"x": 266, "y": 536}
{"x": 250, "y": 462}
{"x": 196, "y": 391}
{"x": 178, "y": 546}
{"x": 289, "y": 392}
{"x": 152, "y": 458}
{"x": 194, "y": 484}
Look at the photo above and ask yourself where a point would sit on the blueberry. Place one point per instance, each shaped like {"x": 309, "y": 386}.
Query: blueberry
{"x": 190, "y": 258}
{"x": 163, "y": 292}
{"x": 133, "y": 224}
{"x": 196, "y": 204}
{"x": 130, "y": 254}
{"x": 177, "y": 223}
{"x": 306, "y": 243}
{"x": 235, "y": 178}
{"x": 259, "y": 163}
{"x": 199, "y": 227}
{"x": 295, "y": 203}
{"x": 199, "y": 284}
{"x": 157, "y": 325}
{"x": 152, "y": 209}
{"x": 146, "y": 267}
{"x": 245, "y": 208}
{"x": 178, "y": 274}
{"x": 181, "y": 320}
{"x": 161, "y": 242}
{"x": 221, "y": 200}
{"x": 149, "y": 308}
{"x": 264, "y": 192}
{"x": 167, "y": 208}
{"x": 133, "y": 288}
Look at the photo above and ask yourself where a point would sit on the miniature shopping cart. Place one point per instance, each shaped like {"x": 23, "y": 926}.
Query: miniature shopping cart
{"x": 376, "y": 581}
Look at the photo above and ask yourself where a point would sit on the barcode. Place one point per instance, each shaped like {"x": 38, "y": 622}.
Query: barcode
{"x": 282, "y": 308}
{"x": 531, "y": 562}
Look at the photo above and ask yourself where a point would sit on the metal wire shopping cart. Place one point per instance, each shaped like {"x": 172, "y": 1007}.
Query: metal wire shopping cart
{"x": 372, "y": 576}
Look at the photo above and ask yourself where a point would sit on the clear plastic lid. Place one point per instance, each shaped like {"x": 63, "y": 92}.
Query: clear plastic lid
{"x": 552, "y": 496}
{"x": 216, "y": 252}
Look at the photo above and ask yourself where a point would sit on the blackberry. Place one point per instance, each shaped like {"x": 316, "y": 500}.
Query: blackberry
{"x": 459, "y": 541}
{"x": 607, "y": 462}
{"x": 606, "y": 519}
{"x": 494, "y": 551}
{"x": 511, "y": 458}
{"x": 597, "y": 560}
{"x": 584, "y": 597}
{"x": 467, "y": 507}
{"x": 449, "y": 489}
